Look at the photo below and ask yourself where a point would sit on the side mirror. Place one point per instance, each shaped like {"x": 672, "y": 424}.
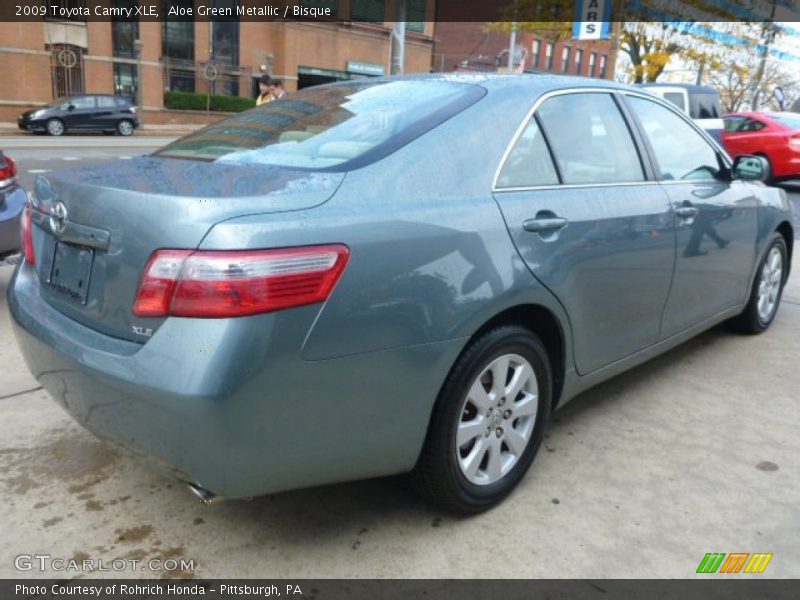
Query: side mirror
{"x": 751, "y": 168}
{"x": 71, "y": 107}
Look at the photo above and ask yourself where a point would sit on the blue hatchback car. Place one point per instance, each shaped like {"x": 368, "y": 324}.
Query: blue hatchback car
{"x": 394, "y": 275}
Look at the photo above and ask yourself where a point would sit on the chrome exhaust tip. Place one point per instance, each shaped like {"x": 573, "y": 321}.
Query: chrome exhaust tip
{"x": 203, "y": 494}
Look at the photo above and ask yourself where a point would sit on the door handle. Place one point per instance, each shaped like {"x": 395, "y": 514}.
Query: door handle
{"x": 686, "y": 212}
{"x": 544, "y": 224}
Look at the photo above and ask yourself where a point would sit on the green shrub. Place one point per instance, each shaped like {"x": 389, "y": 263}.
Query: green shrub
{"x": 193, "y": 101}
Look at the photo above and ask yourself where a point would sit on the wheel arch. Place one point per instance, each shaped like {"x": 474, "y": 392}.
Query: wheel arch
{"x": 546, "y": 325}
{"x": 787, "y": 231}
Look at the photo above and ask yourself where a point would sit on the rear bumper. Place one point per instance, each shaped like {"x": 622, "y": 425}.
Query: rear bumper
{"x": 229, "y": 404}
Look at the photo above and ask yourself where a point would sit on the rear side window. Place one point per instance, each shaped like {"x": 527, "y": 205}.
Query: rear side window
{"x": 681, "y": 152}
{"x": 329, "y": 127}
{"x": 787, "y": 119}
{"x": 590, "y": 140}
{"x": 82, "y": 102}
{"x": 105, "y": 102}
{"x": 529, "y": 163}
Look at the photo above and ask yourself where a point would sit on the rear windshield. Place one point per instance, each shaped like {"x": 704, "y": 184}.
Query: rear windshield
{"x": 792, "y": 121}
{"x": 339, "y": 126}
{"x": 704, "y": 106}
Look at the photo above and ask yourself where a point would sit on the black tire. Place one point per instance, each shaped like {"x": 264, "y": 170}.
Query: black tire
{"x": 56, "y": 127}
{"x": 125, "y": 127}
{"x": 438, "y": 477}
{"x": 751, "y": 321}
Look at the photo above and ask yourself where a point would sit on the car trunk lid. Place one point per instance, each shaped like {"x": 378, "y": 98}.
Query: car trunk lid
{"x": 98, "y": 225}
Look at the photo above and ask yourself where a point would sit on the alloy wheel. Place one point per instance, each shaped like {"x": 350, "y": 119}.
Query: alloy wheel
{"x": 769, "y": 286}
{"x": 497, "y": 419}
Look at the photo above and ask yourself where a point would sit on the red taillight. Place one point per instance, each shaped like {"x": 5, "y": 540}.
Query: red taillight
{"x": 26, "y": 236}
{"x": 9, "y": 170}
{"x": 234, "y": 283}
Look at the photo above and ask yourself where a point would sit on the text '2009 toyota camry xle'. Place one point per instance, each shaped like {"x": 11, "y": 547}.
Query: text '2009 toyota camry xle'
{"x": 388, "y": 276}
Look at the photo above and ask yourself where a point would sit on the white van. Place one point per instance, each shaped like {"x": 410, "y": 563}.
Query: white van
{"x": 700, "y": 102}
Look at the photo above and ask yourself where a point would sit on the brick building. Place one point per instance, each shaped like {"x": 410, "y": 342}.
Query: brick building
{"x": 467, "y": 46}
{"x": 47, "y": 59}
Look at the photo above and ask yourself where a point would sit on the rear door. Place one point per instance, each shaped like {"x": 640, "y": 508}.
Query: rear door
{"x": 715, "y": 217}
{"x": 104, "y": 115}
{"x": 590, "y": 224}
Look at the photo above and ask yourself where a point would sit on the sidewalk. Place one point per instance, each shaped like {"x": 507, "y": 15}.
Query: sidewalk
{"x": 7, "y": 129}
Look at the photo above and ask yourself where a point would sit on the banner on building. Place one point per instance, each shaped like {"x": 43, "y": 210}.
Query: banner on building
{"x": 592, "y": 20}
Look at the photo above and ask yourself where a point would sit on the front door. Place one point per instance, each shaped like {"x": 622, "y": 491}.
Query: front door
{"x": 715, "y": 217}
{"x": 589, "y": 225}
{"x": 79, "y": 112}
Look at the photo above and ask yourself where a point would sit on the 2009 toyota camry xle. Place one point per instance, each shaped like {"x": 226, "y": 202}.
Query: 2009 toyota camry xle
{"x": 387, "y": 276}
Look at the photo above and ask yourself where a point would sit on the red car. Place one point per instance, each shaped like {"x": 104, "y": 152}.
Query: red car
{"x": 773, "y": 135}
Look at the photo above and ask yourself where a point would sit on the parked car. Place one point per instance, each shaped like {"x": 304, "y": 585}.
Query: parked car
{"x": 12, "y": 203}
{"x": 388, "y": 275}
{"x": 773, "y": 135}
{"x": 700, "y": 102}
{"x": 95, "y": 112}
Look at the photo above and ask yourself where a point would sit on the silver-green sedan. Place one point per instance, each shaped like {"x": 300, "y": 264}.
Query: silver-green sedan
{"x": 394, "y": 275}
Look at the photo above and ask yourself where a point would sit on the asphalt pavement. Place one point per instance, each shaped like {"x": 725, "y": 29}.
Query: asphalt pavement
{"x": 696, "y": 451}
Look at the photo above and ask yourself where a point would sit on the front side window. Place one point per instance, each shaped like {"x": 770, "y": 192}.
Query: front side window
{"x": 325, "y": 127}
{"x": 529, "y": 163}
{"x": 732, "y": 123}
{"x": 82, "y": 102}
{"x": 590, "y": 139}
{"x": 681, "y": 151}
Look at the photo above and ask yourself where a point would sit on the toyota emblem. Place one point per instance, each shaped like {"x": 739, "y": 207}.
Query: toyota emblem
{"x": 58, "y": 218}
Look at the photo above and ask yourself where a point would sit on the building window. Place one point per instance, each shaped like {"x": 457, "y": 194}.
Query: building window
{"x": 415, "y": 15}
{"x": 66, "y": 69}
{"x": 367, "y": 10}
{"x": 124, "y": 32}
{"x": 578, "y": 61}
{"x": 565, "y": 52}
{"x": 592, "y": 61}
{"x": 125, "y": 80}
{"x": 548, "y": 56}
{"x": 331, "y": 5}
{"x": 603, "y": 66}
{"x": 225, "y": 36}
{"x": 536, "y": 50}
{"x": 177, "y": 47}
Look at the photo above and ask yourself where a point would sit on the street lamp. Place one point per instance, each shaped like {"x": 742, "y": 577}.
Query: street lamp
{"x": 137, "y": 48}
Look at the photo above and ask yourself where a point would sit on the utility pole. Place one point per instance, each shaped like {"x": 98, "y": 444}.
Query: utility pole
{"x": 512, "y": 46}
{"x": 398, "y": 39}
{"x": 768, "y": 35}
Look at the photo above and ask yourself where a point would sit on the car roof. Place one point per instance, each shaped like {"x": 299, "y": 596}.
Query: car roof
{"x": 689, "y": 87}
{"x": 525, "y": 82}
